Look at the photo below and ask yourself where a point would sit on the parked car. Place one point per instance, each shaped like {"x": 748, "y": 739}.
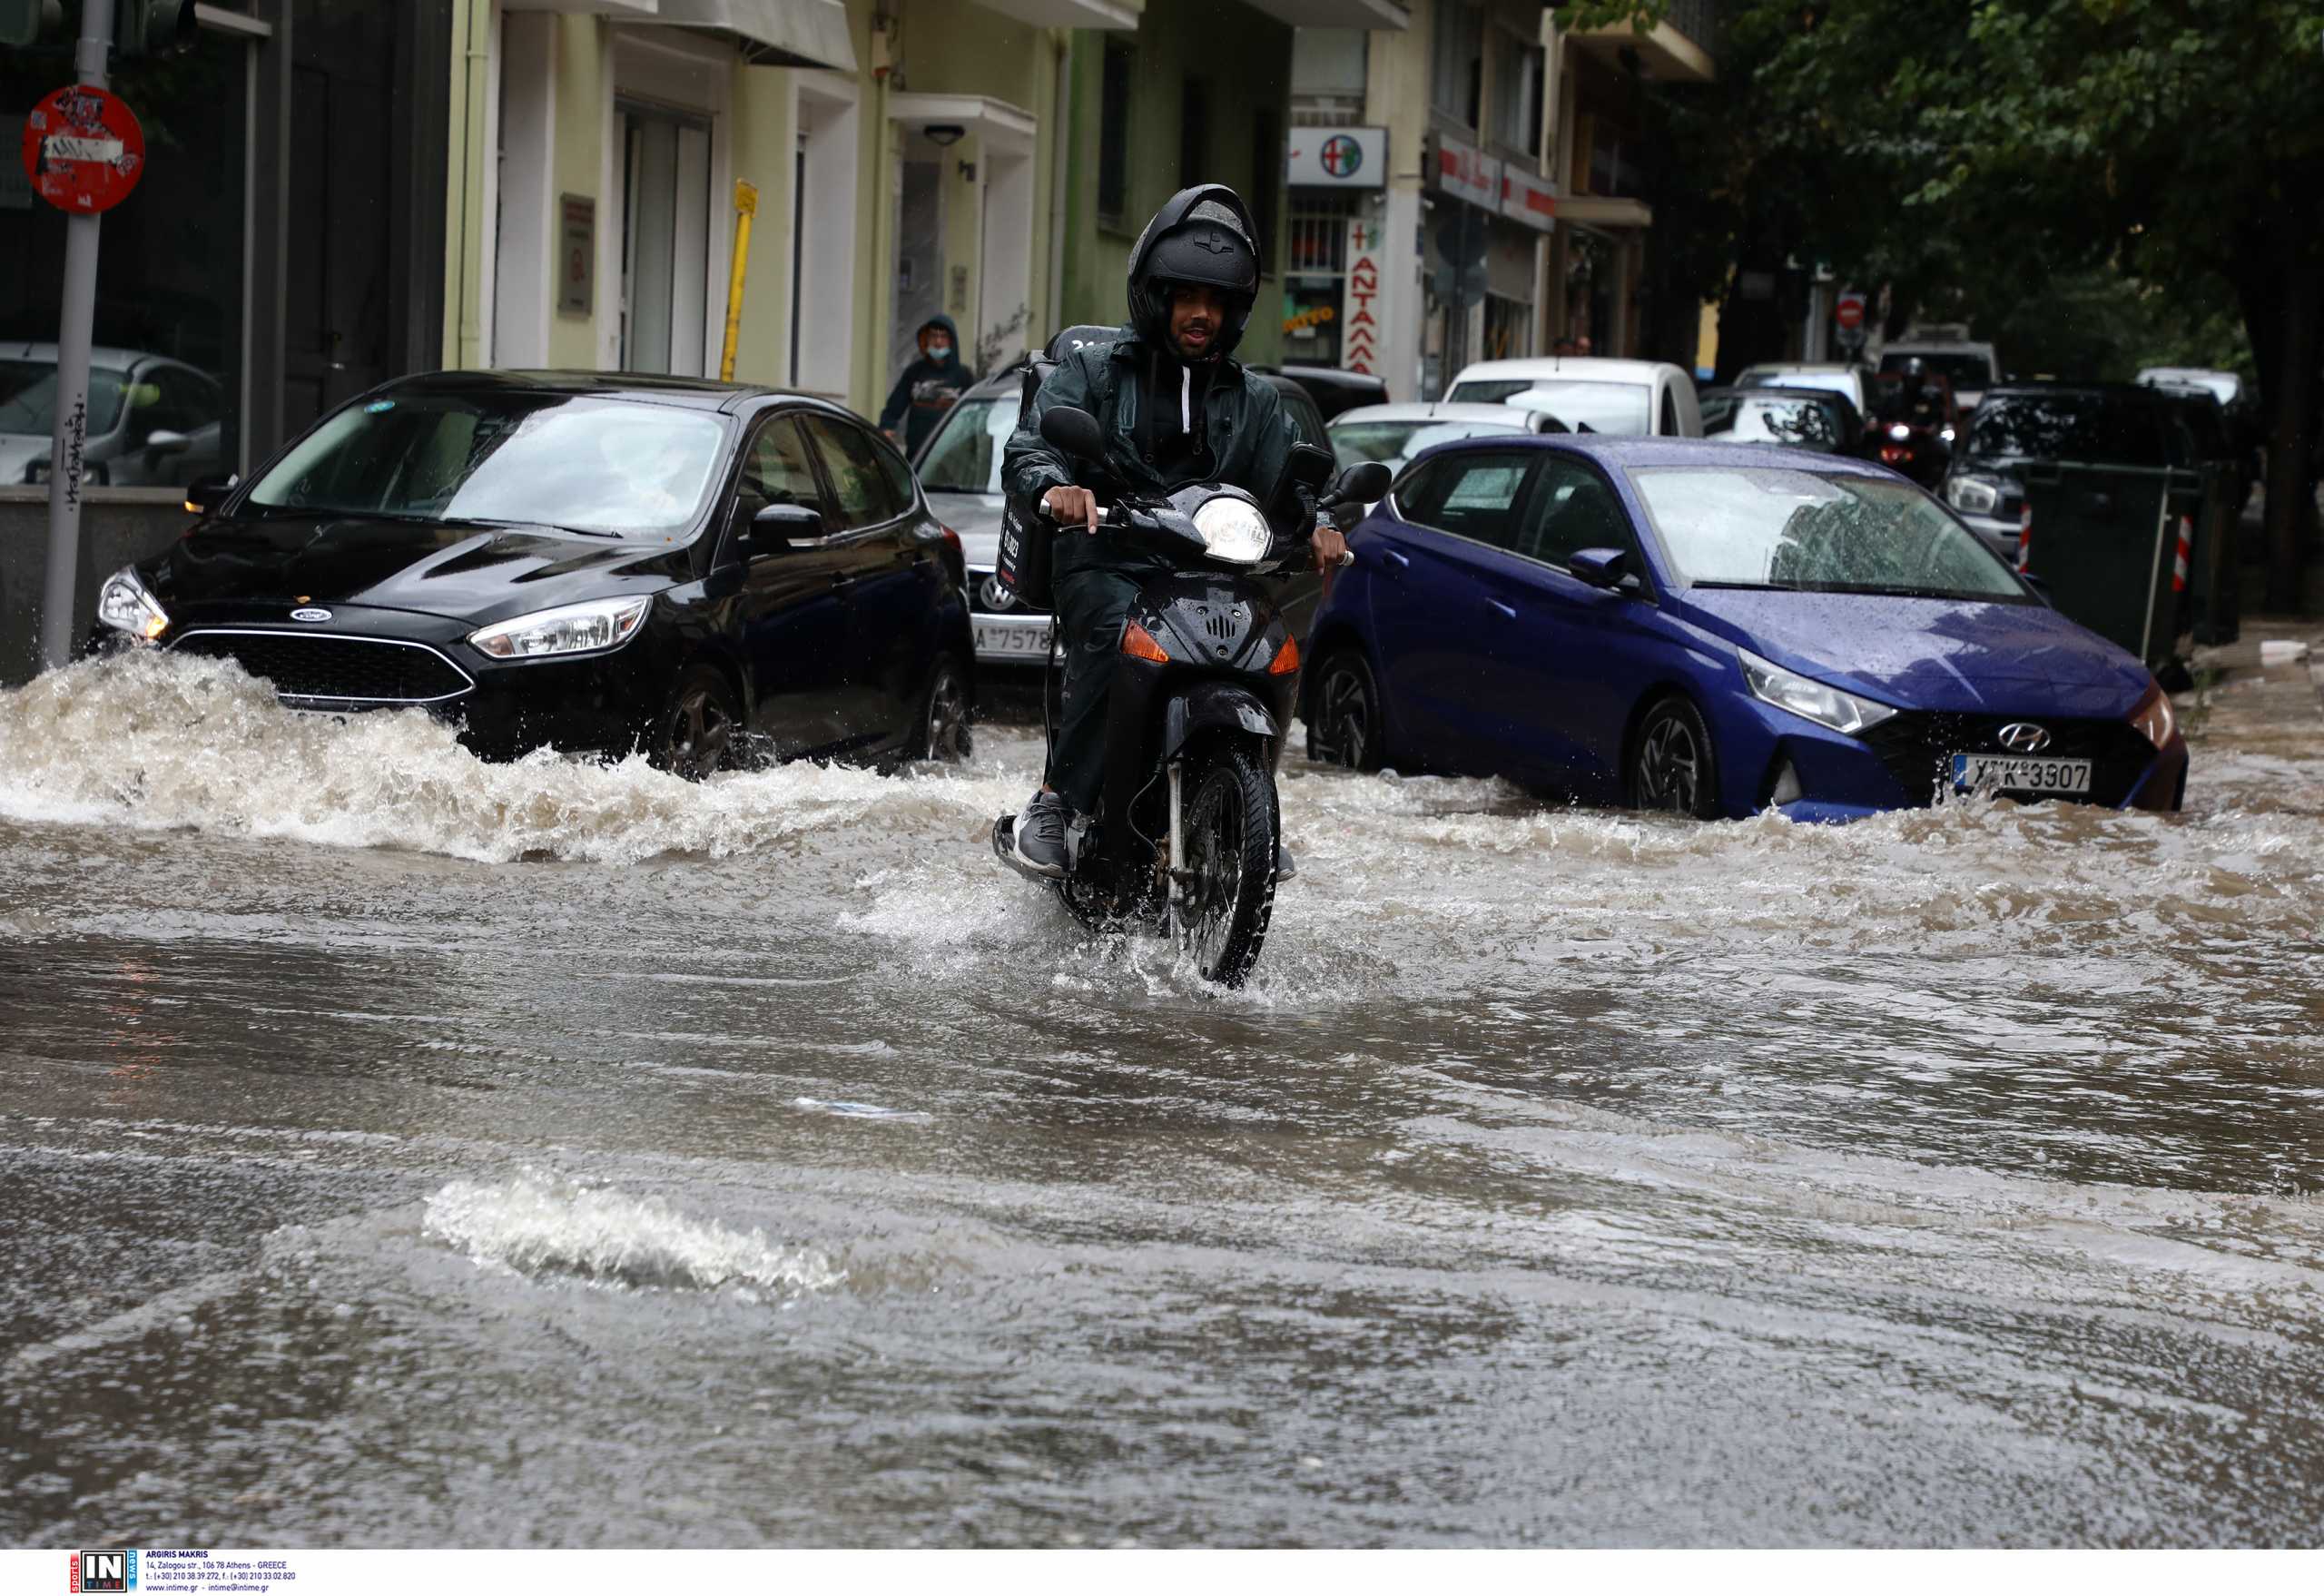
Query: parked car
{"x": 1816, "y": 418}
{"x": 1852, "y": 383}
{"x": 2030, "y": 424}
{"x": 1971, "y": 367}
{"x": 1392, "y": 434}
{"x": 1333, "y": 389}
{"x": 1631, "y": 398}
{"x": 2224, "y": 386}
{"x": 1691, "y": 626}
{"x": 958, "y": 467}
{"x": 153, "y": 422}
{"x": 2213, "y": 434}
{"x": 705, "y": 572}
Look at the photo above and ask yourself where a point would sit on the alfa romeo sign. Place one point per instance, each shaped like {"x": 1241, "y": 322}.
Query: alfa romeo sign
{"x": 83, "y": 150}
{"x": 1338, "y": 158}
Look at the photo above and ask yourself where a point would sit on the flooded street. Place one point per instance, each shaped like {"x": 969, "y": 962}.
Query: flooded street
{"x": 396, "y": 1149}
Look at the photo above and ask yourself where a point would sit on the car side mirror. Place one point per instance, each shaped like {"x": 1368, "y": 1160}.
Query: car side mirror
{"x": 1076, "y": 432}
{"x": 162, "y": 441}
{"x": 1365, "y": 482}
{"x": 207, "y": 494}
{"x": 782, "y": 526}
{"x": 1603, "y": 567}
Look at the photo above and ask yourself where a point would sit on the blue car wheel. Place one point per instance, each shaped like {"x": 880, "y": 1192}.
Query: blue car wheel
{"x": 1344, "y": 727}
{"x": 1673, "y": 766}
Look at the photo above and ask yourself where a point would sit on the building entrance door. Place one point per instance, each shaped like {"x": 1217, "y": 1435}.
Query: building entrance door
{"x": 665, "y": 241}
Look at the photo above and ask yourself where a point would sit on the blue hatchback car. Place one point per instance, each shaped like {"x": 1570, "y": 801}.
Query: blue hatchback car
{"x": 1714, "y": 628}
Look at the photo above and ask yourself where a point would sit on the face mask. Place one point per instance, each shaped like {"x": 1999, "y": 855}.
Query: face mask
{"x": 937, "y": 349}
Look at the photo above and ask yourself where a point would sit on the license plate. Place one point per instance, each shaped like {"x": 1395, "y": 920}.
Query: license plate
{"x": 1025, "y": 639}
{"x": 2010, "y": 772}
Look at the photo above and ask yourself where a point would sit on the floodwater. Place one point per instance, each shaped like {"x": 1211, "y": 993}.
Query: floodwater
{"x": 396, "y": 1149}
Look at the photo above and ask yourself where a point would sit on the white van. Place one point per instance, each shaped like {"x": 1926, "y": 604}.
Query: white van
{"x": 1624, "y": 398}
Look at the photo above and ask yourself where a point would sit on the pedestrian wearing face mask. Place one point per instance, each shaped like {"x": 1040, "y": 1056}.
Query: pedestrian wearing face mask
{"x": 929, "y": 386}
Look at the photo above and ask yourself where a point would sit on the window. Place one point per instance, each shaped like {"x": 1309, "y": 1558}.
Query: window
{"x": 1193, "y": 133}
{"x": 1668, "y": 425}
{"x": 1517, "y": 97}
{"x": 862, "y": 493}
{"x": 965, "y": 456}
{"x": 1572, "y": 509}
{"x": 1457, "y": 69}
{"x": 1113, "y": 133}
{"x": 1470, "y": 496}
{"x": 1267, "y": 161}
{"x": 778, "y": 469}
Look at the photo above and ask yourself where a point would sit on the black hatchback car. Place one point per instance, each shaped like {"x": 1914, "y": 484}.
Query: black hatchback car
{"x": 588, "y": 562}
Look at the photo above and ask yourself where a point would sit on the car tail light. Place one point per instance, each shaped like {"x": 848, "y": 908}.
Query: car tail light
{"x": 1138, "y": 643}
{"x": 2156, "y": 720}
{"x": 1286, "y": 658}
{"x": 955, "y": 555}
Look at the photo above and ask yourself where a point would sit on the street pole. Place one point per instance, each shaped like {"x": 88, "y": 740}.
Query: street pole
{"x": 75, "y": 329}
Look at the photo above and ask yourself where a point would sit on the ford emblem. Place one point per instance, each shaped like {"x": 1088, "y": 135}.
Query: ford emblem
{"x": 311, "y": 615}
{"x": 2024, "y": 737}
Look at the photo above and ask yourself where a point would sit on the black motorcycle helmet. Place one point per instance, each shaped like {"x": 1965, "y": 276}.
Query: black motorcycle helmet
{"x": 1204, "y": 234}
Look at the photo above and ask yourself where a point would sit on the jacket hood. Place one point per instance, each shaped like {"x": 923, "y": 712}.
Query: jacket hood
{"x": 942, "y": 324}
{"x": 1960, "y": 657}
{"x": 463, "y": 573}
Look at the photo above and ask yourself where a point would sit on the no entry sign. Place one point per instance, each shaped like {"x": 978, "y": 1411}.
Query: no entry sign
{"x": 83, "y": 150}
{"x": 1850, "y": 311}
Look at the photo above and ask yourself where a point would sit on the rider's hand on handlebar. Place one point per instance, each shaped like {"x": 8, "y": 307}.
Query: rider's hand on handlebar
{"x": 1331, "y": 548}
{"x": 1070, "y": 507}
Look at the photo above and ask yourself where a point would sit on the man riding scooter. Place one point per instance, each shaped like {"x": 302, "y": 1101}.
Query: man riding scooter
{"x": 1175, "y": 409}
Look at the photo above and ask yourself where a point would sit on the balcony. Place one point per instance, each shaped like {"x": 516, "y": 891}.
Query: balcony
{"x": 1387, "y": 15}
{"x": 1675, "y": 50}
{"x": 1107, "y": 16}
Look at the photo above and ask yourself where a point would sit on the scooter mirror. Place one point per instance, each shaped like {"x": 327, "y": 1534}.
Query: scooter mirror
{"x": 1310, "y": 467}
{"x": 1076, "y": 432}
{"x": 1363, "y": 483}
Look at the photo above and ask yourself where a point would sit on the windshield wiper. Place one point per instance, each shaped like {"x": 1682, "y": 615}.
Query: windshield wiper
{"x": 495, "y": 521}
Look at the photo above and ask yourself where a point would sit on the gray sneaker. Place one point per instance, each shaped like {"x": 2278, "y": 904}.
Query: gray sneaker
{"x": 1040, "y": 836}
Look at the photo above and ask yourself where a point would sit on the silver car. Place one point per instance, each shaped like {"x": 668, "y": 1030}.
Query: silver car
{"x": 153, "y": 422}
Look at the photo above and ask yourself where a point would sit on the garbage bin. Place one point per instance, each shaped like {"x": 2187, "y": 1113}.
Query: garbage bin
{"x": 2214, "y": 588}
{"x": 2104, "y": 540}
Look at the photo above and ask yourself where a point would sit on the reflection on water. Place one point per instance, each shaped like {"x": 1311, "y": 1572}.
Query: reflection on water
{"x": 416, "y": 1150}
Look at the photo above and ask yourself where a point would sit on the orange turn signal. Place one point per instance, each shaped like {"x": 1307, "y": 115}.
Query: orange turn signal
{"x": 1286, "y": 658}
{"x": 1138, "y": 643}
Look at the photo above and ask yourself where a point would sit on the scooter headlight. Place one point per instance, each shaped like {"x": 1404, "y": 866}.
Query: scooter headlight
{"x": 1234, "y": 531}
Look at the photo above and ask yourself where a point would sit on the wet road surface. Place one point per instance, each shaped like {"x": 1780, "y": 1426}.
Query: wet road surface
{"x": 396, "y": 1149}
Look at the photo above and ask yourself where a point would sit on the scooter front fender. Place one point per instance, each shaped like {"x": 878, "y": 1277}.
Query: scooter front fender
{"x": 1211, "y": 707}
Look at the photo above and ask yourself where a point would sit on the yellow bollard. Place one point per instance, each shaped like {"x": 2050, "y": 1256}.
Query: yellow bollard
{"x": 746, "y": 205}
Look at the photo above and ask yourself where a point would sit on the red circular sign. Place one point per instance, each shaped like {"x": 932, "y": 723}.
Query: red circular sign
{"x": 1849, "y": 312}
{"x": 83, "y": 150}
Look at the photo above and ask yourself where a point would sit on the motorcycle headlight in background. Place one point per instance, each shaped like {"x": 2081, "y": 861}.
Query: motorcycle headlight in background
{"x": 1899, "y": 431}
{"x": 124, "y": 604}
{"x": 576, "y": 628}
{"x": 1232, "y": 530}
{"x": 1972, "y": 496}
{"x": 2156, "y": 720}
{"x": 1827, "y": 707}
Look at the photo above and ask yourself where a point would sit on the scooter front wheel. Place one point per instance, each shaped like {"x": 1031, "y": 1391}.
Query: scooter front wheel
{"x": 1232, "y": 827}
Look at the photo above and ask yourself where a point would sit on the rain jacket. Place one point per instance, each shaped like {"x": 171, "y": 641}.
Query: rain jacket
{"x": 1248, "y": 434}
{"x": 927, "y": 388}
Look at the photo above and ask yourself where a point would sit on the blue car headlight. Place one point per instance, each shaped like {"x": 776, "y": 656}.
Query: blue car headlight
{"x": 1810, "y": 699}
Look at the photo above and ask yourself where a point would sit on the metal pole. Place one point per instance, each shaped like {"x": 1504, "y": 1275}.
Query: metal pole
{"x": 74, "y": 329}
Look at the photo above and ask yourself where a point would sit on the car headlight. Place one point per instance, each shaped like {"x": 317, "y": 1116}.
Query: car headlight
{"x": 2156, "y": 720}
{"x": 1972, "y": 496}
{"x": 124, "y": 604}
{"x": 576, "y": 628}
{"x": 1233, "y": 529}
{"x": 1827, "y": 707}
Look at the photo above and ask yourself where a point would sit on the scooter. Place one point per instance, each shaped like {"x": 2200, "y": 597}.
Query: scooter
{"x": 1187, "y": 842}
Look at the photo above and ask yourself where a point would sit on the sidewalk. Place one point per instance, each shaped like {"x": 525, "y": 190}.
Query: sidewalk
{"x": 2255, "y": 720}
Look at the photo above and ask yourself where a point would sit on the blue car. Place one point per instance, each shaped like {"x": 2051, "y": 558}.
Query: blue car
{"x": 1713, "y": 629}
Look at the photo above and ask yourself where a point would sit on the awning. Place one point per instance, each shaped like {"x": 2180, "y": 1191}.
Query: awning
{"x": 1665, "y": 52}
{"x": 1383, "y": 14}
{"x": 629, "y": 10}
{"x": 771, "y": 33}
{"x": 997, "y": 122}
{"x": 1604, "y": 211}
{"x": 1108, "y": 14}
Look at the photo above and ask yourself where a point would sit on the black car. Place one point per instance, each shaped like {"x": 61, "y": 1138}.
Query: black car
{"x": 2023, "y": 424}
{"x": 1814, "y": 418}
{"x": 1332, "y": 388}
{"x": 587, "y": 562}
{"x": 960, "y": 468}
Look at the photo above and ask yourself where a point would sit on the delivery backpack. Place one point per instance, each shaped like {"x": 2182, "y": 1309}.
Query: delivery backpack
{"x": 1025, "y": 537}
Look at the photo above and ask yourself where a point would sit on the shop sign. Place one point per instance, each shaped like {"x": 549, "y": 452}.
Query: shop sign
{"x": 576, "y": 253}
{"x": 1466, "y": 172}
{"x": 1339, "y": 157}
{"x": 1528, "y": 199}
{"x": 1360, "y": 344}
{"x": 83, "y": 150}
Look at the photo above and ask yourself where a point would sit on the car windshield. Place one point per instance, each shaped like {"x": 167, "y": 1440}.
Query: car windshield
{"x": 1769, "y": 526}
{"x": 2082, "y": 427}
{"x": 1620, "y": 407}
{"x": 618, "y": 467}
{"x": 964, "y": 456}
{"x": 1843, "y": 383}
{"x": 1752, "y": 418}
{"x": 1394, "y": 442}
{"x": 1487, "y": 391}
{"x": 1973, "y": 372}
{"x": 28, "y": 397}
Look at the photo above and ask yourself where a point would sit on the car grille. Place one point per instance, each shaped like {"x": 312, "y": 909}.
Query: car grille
{"x": 347, "y": 670}
{"x": 986, "y": 591}
{"x": 1918, "y": 747}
